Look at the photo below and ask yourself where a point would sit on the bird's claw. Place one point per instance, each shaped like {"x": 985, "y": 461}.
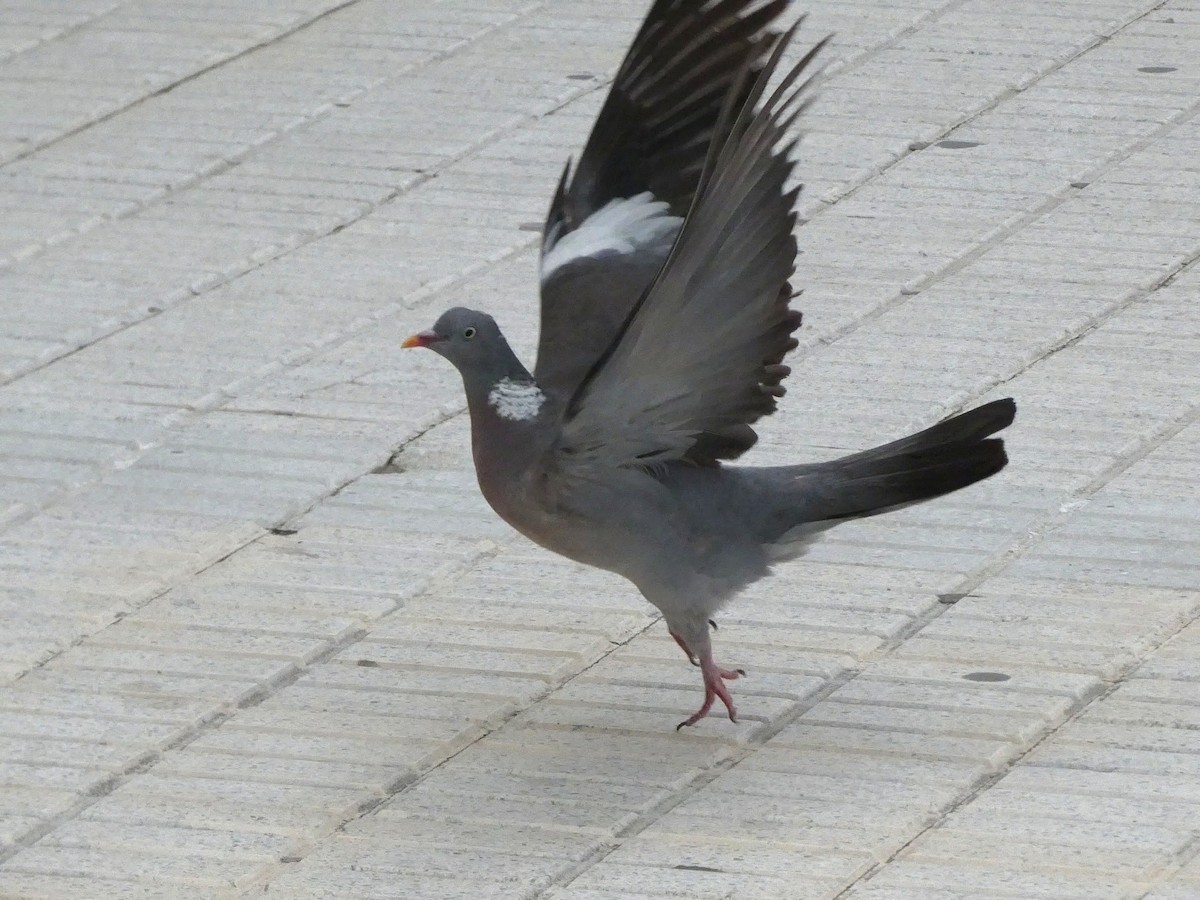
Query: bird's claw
{"x": 714, "y": 680}
{"x": 714, "y": 688}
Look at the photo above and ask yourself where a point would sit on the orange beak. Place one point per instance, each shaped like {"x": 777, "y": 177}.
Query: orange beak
{"x": 422, "y": 339}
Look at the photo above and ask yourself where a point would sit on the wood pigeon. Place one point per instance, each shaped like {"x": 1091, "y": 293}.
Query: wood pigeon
{"x": 665, "y": 317}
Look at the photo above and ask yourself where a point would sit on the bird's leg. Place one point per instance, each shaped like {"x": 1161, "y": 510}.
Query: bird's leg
{"x": 684, "y": 647}
{"x": 714, "y": 688}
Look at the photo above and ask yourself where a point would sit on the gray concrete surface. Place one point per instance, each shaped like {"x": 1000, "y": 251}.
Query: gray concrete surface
{"x": 261, "y": 635}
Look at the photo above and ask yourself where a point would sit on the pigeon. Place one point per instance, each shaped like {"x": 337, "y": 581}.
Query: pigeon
{"x": 665, "y": 275}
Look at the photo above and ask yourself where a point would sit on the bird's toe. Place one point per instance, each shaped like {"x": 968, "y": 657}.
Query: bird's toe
{"x": 714, "y": 689}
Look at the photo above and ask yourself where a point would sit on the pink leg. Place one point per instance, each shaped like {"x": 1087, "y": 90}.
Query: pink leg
{"x": 714, "y": 687}
{"x": 684, "y": 647}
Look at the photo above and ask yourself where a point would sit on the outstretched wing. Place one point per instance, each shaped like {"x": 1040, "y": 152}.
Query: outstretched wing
{"x": 698, "y": 360}
{"x": 614, "y": 220}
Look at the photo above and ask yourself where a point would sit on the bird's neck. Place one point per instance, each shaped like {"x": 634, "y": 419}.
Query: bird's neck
{"x": 509, "y": 412}
{"x": 509, "y": 436}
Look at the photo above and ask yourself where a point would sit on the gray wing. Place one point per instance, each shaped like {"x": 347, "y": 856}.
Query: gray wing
{"x": 698, "y": 361}
{"x": 614, "y": 220}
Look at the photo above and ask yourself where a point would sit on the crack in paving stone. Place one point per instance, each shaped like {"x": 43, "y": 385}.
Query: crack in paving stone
{"x": 258, "y": 259}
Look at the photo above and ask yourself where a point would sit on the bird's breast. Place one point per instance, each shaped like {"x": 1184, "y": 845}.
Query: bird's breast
{"x": 531, "y": 509}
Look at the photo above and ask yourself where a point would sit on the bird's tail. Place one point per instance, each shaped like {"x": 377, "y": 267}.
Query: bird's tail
{"x": 946, "y": 457}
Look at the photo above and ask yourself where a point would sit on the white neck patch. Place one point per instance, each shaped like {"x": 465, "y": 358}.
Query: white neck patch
{"x": 517, "y": 401}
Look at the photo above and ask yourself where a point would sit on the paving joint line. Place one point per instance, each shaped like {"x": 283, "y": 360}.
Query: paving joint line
{"x": 1105, "y": 689}
{"x": 65, "y": 32}
{"x": 263, "y": 877}
{"x": 249, "y": 541}
{"x": 236, "y": 159}
{"x": 837, "y": 67}
{"x": 756, "y": 742}
{"x": 359, "y": 326}
{"x": 135, "y": 607}
{"x": 831, "y": 686}
{"x": 220, "y": 397}
{"x": 166, "y": 89}
{"x": 228, "y": 710}
{"x": 1079, "y": 497}
{"x": 735, "y": 756}
{"x": 1104, "y": 316}
{"x": 226, "y": 165}
{"x": 223, "y": 712}
{"x": 1168, "y": 872}
{"x": 150, "y": 758}
{"x": 917, "y": 146}
{"x": 250, "y": 263}
{"x": 1004, "y": 232}
{"x": 970, "y": 582}
{"x": 674, "y": 797}
{"x": 1138, "y": 295}
{"x": 1002, "y": 561}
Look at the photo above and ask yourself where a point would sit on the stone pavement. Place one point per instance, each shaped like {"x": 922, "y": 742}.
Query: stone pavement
{"x": 262, "y": 636}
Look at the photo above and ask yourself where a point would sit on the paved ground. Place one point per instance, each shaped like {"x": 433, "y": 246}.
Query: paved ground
{"x": 262, "y": 637}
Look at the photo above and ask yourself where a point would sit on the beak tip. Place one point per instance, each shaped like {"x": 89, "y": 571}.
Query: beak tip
{"x": 421, "y": 339}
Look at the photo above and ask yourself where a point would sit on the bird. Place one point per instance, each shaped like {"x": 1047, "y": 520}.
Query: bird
{"x": 665, "y": 278}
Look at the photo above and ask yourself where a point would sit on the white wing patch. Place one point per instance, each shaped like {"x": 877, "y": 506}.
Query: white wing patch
{"x": 620, "y": 226}
{"x": 517, "y": 401}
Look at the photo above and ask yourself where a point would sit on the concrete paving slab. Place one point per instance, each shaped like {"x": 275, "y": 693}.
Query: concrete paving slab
{"x": 263, "y": 637}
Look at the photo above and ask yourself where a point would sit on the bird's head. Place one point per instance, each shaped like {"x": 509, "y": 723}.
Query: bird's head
{"x": 468, "y": 339}
{"x": 493, "y": 377}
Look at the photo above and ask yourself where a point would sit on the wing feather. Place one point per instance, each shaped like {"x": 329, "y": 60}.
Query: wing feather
{"x": 650, "y": 144}
{"x": 697, "y": 361}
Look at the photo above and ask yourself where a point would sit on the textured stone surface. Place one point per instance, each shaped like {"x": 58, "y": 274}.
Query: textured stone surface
{"x": 262, "y": 635}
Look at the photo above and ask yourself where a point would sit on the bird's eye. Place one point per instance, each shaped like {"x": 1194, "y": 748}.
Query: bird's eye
{"x": 468, "y": 333}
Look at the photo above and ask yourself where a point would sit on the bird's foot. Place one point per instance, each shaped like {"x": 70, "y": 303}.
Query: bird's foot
{"x": 714, "y": 688}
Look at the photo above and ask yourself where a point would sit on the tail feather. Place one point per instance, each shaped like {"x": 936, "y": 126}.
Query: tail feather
{"x": 973, "y": 425}
{"x": 949, "y": 456}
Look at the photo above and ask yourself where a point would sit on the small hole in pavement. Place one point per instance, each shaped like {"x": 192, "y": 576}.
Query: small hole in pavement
{"x": 957, "y": 145}
{"x": 368, "y": 663}
{"x": 1158, "y": 70}
{"x": 986, "y": 676}
{"x": 284, "y": 532}
{"x": 949, "y": 599}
